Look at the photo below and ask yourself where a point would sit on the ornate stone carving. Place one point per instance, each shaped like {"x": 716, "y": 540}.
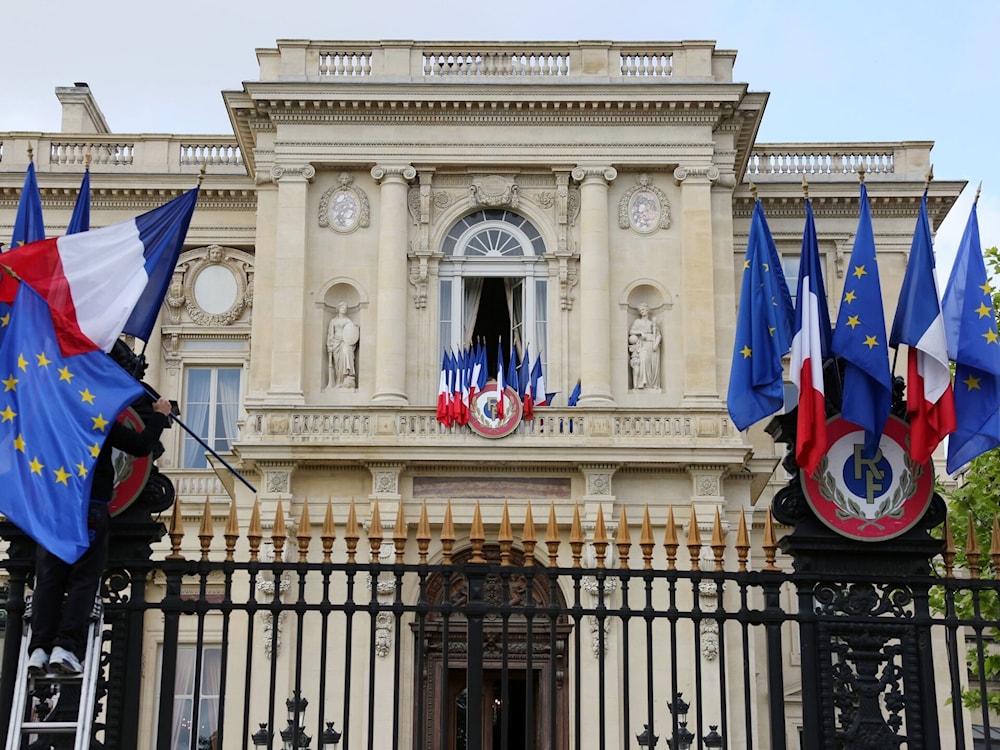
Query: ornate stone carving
{"x": 385, "y": 482}
{"x": 214, "y": 286}
{"x": 304, "y": 171}
{"x": 175, "y": 297}
{"x": 403, "y": 171}
{"x": 271, "y": 587}
{"x": 644, "y": 339}
{"x": 342, "y": 335}
{"x": 442, "y": 199}
{"x": 277, "y": 481}
{"x": 599, "y": 591}
{"x": 418, "y": 280}
{"x": 545, "y": 199}
{"x": 599, "y": 484}
{"x": 344, "y": 207}
{"x": 581, "y": 173}
{"x": 493, "y": 191}
{"x": 413, "y": 204}
{"x": 644, "y": 207}
{"x": 572, "y": 205}
{"x": 708, "y": 172}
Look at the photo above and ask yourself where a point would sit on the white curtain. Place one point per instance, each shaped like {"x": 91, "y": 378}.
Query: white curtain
{"x": 196, "y": 412}
{"x": 470, "y": 307}
{"x": 180, "y": 738}
{"x": 229, "y": 402}
{"x": 515, "y": 308}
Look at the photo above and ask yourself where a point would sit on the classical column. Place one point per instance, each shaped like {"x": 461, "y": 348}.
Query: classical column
{"x": 393, "y": 281}
{"x": 288, "y": 314}
{"x": 595, "y": 297}
{"x": 697, "y": 284}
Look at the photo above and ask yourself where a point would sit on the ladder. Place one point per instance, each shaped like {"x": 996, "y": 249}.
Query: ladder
{"x": 25, "y": 723}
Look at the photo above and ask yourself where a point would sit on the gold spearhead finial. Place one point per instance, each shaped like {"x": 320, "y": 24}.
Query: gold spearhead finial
{"x": 930, "y": 176}
{"x": 805, "y": 188}
{"x": 753, "y": 190}
{"x": 978, "y": 191}
{"x": 861, "y": 173}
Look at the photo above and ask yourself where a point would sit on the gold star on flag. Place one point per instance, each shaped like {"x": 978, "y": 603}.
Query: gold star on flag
{"x": 81, "y": 470}
{"x": 8, "y": 414}
{"x": 62, "y": 475}
{"x": 87, "y": 396}
{"x": 746, "y": 264}
{"x": 99, "y": 422}
{"x": 65, "y": 374}
{"x": 850, "y": 297}
{"x": 36, "y": 466}
{"x": 745, "y": 351}
{"x": 5, "y": 320}
{"x": 987, "y": 289}
{"x": 771, "y": 330}
{"x": 853, "y": 321}
{"x": 972, "y": 382}
{"x": 22, "y": 362}
{"x": 19, "y": 443}
{"x": 990, "y": 336}
{"x": 10, "y": 383}
{"x": 94, "y": 450}
{"x": 43, "y": 361}
{"x": 983, "y": 310}
{"x": 859, "y": 271}
{"x": 871, "y": 342}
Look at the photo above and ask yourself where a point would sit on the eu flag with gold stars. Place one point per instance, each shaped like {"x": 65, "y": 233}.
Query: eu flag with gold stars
{"x": 763, "y": 330}
{"x": 859, "y": 338}
{"x": 974, "y": 346}
{"x": 59, "y": 395}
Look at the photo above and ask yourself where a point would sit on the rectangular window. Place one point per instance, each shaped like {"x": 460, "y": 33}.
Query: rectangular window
{"x": 207, "y": 698}
{"x": 211, "y": 406}
{"x": 790, "y": 267}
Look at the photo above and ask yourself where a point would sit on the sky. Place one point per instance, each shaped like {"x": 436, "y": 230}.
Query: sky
{"x": 877, "y": 70}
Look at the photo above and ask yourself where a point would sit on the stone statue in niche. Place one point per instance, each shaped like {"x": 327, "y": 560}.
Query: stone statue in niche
{"x": 644, "y": 339}
{"x": 341, "y": 344}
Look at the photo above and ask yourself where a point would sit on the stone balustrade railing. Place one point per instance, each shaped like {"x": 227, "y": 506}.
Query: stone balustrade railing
{"x": 450, "y": 61}
{"x": 783, "y": 162}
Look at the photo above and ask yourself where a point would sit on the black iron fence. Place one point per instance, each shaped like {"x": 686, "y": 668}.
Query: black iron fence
{"x": 574, "y": 640}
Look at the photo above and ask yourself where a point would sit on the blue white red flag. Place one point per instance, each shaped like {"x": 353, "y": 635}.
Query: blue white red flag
{"x": 80, "y": 220}
{"x": 511, "y": 372}
{"x": 111, "y": 280}
{"x": 860, "y": 338}
{"x": 28, "y": 223}
{"x": 974, "y": 345}
{"x": 477, "y": 375}
{"x": 60, "y": 396}
{"x": 763, "y": 330}
{"x": 538, "y": 383}
{"x": 443, "y": 412}
{"x": 930, "y": 403}
{"x": 524, "y": 385}
{"x": 574, "y": 395}
{"x": 501, "y": 406}
{"x": 810, "y": 348}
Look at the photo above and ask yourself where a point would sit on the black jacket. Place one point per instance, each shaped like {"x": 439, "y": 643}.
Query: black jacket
{"x": 128, "y": 440}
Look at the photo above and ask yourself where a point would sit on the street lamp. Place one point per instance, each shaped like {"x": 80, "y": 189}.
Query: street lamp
{"x": 713, "y": 739}
{"x": 646, "y": 739}
{"x": 294, "y": 737}
{"x": 683, "y": 738}
{"x": 262, "y": 737}
{"x": 330, "y": 737}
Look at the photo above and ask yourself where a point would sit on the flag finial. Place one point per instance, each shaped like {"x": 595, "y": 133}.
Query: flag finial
{"x": 753, "y": 190}
{"x": 805, "y": 188}
{"x": 201, "y": 174}
{"x": 979, "y": 189}
{"x": 31, "y": 153}
{"x": 930, "y": 176}
{"x": 87, "y": 157}
{"x": 861, "y": 173}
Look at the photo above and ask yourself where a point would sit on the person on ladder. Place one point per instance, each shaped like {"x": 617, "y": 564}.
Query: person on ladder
{"x": 64, "y": 593}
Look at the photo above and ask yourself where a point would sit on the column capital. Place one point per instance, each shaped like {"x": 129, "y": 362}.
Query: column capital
{"x": 293, "y": 172}
{"x": 591, "y": 173}
{"x": 403, "y": 172}
{"x": 697, "y": 173}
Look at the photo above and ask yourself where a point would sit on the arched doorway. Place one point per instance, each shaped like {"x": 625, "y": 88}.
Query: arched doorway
{"x": 522, "y": 663}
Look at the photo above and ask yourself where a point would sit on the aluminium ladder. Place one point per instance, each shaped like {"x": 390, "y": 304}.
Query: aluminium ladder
{"x": 24, "y": 724}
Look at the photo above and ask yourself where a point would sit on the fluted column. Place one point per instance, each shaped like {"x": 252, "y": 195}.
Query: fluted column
{"x": 697, "y": 272}
{"x": 390, "y": 314}
{"x": 288, "y": 333}
{"x": 595, "y": 297}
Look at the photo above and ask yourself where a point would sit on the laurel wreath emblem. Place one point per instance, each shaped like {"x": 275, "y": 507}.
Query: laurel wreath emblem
{"x": 847, "y": 507}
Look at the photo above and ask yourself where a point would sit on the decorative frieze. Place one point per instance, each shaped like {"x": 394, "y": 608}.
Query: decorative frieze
{"x": 344, "y": 207}
{"x": 644, "y": 207}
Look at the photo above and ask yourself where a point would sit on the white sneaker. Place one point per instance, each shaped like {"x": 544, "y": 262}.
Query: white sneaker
{"x": 38, "y": 662}
{"x": 64, "y": 662}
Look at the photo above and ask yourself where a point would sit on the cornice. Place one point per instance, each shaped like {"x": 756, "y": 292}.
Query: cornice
{"x": 136, "y": 198}
{"x": 846, "y": 205}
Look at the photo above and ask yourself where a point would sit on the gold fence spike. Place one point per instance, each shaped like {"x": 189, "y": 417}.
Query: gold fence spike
{"x": 995, "y": 547}
{"x": 351, "y": 533}
{"x": 948, "y": 554}
{"x": 254, "y": 532}
{"x": 576, "y": 536}
{"x": 176, "y": 532}
{"x": 600, "y": 537}
{"x": 718, "y": 544}
{"x": 375, "y": 534}
{"x": 477, "y": 536}
{"x": 694, "y": 541}
{"x": 528, "y": 538}
{"x": 506, "y": 535}
{"x": 646, "y": 542}
{"x": 304, "y": 533}
{"x": 423, "y": 533}
{"x": 742, "y": 542}
{"x": 206, "y": 532}
{"x": 552, "y": 537}
{"x": 447, "y": 535}
{"x": 623, "y": 541}
{"x": 279, "y": 534}
{"x": 670, "y": 543}
{"x": 329, "y": 531}
{"x": 770, "y": 544}
{"x": 232, "y": 532}
{"x": 972, "y": 549}
{"x": 399, "y": 534}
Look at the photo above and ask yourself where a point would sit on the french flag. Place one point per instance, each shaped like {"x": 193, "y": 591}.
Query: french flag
{"x": 538, "y": 383}
{"x": 810, "y": 347}
{"x": 111, "y": 280}
{"x": 443, "y": 412}
{"x": 930, "y": 402}
{"x": 501, "y": 411}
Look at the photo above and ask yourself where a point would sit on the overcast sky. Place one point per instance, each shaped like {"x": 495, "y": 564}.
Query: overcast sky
{"x": 843, "y": 70}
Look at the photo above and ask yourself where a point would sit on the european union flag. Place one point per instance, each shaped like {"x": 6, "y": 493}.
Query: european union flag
{"x": 80, "y": 220}
{"x": 974, "y": 345}
{"x": 28, "y": 224}
{"x": 59, "y": 398}
{"x": 763, "y": 330}
{"x": 859, "y": 338}
{"x": 574, "y": 395}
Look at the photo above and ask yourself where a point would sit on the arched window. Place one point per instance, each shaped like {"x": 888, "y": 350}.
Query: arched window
{"x": 494, "y": 284}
